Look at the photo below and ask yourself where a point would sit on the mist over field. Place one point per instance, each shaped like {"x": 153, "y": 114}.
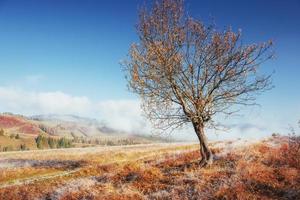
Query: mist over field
{"x": 126, "y": 115}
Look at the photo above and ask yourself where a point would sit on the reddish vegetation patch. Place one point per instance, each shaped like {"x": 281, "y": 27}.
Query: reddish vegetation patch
{"x": 30, "y": 129}
{"x": 22, "y": 125}
{"x": 10, "y": 122}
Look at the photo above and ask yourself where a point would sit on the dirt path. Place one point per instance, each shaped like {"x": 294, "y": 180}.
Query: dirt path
{"x": 22, "y": 181}
{"x": 37, "y": 178}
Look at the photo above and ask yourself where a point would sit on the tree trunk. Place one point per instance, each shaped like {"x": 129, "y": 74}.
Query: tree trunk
{"x": 205, "y": 152}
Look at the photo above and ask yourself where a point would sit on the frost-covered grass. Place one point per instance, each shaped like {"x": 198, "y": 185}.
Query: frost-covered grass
{"x": 269, "y": 169}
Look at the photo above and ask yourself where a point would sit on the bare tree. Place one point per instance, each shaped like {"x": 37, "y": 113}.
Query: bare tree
{"x": 186, "y": 72}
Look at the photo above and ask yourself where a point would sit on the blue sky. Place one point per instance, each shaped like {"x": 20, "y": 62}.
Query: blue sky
{"x": 55, "y": 51}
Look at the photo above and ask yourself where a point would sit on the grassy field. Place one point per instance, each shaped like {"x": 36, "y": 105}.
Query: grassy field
{"x": 268, "y": 169}
{"x": 14, "y": 144}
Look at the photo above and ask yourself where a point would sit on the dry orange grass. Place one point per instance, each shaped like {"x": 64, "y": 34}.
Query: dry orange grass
{"x": 266, "y": 170}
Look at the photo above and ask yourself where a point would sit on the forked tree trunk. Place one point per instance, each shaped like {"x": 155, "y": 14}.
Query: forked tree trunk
{"x": 205, "y": 152}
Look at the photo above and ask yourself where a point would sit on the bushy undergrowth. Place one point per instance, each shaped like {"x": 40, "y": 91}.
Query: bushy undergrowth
{"x": 266, "y": 172}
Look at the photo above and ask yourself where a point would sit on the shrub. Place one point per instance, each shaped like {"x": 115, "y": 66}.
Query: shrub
{"x": 41, "y": 142}
{"x": 1, "y": 132}
{"x": 23, "y": 147}
{"x": 110, "y": 143}
{"x": 64, "y": 143}
{"x": 7, "y": 148}
{"x": 38, "y": 141}
{"x": 52, "y": 142}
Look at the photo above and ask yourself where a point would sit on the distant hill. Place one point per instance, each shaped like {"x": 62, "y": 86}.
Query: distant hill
{"x": 69, "y": 126}
{"x": 18, "y": 132}
{"x": 64, "y": 118}
{"x": 78, "y": 126}
{"x": 18, "y": 124}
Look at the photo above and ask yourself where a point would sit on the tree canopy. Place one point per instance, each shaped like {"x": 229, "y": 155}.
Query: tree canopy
{"x": 188, "y": 72}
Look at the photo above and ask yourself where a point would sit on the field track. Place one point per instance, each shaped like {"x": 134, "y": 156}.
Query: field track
{"x": 16, "y": 161}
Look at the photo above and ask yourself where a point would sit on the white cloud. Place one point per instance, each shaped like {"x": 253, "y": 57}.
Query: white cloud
{"x": 124, "y": 115}
{"x": 59, "y": 102}
{"x": 23, "y": 102}
{"x": 241, "y": 130}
